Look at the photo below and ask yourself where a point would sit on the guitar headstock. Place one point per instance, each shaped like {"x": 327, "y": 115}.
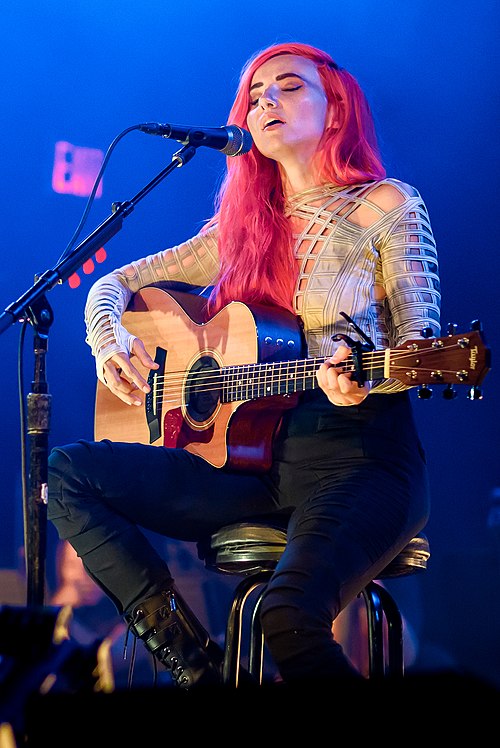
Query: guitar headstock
{"x": 450, "y": 360}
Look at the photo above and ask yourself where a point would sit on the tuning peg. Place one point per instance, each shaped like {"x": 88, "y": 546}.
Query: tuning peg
{"x": 427, "y": 332}
{"x": 476, "y": 325}
{"x": 449, "y": 392}
{"x": 475, "y": 393}
{"x": 424, "y": 392}
{"x": 452, "y": 328}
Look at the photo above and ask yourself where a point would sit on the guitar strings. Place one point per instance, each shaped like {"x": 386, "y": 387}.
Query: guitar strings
{"x": 265, "y": 376}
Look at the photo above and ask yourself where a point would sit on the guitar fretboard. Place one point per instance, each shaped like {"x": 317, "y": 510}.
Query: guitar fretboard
{"x": 251, "y": 381}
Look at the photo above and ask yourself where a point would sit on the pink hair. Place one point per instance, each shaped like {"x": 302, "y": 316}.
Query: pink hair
{"x": 255, "y": 239}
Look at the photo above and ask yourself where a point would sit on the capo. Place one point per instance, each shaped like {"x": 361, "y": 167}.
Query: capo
{"x": 358, "y": 348}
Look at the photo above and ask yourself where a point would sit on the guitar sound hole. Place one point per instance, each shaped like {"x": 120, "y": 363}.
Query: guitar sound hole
{"x": 202, "y": 393}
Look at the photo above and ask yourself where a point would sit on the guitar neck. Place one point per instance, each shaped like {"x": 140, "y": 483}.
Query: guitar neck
{"x": 251, "y": 381}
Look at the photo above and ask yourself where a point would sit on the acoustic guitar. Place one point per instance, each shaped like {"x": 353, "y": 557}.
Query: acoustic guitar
{"x": 224, "y": 382}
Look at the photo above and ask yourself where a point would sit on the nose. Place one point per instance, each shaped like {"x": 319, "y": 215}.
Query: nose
{"x": 267, "y": 99}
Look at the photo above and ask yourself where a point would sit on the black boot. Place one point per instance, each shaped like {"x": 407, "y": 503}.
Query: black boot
{"x": 171, "y": 631}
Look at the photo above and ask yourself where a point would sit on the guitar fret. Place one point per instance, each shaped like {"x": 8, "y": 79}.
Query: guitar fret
{"x": 247, "y": 383}
{"x": 282, "y": 378}
{"x": 273, "y": 388}
{"x": 300, "y": 383}
{"x": 267, "y": 379}
{"x": 290, "y": 377}
{"x": 262, "y": 381}
{"x": 240, "y": 383}
{"x": 226, "y": 380}
{"x": 293, "y": 378}
{"x": 248, "y": 394}
{"x": 310, "y": 374}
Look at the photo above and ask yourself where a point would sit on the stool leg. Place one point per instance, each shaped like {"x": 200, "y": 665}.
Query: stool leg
{"x": 232, "y": 655}
{"x": 256, "y": 644}
{"x": 394, "y": 620}
{"x": 380, "y": 606}
{"x": 375, "y": 619}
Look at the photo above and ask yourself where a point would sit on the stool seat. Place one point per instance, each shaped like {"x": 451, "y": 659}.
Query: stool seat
{"x": 252, "y": 550}
{"x": 247, "y": 547}
{"x": 244, "y": 548}
{"x": 411, "y": 560}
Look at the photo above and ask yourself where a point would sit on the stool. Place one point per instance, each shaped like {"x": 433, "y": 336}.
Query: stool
{"x": 252, "y": 550}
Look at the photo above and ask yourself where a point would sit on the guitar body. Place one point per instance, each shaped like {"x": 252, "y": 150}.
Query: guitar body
{"x": 171, "y": 325}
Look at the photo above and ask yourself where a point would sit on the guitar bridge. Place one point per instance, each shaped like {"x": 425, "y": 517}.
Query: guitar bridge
{"x": 152, "y": 401}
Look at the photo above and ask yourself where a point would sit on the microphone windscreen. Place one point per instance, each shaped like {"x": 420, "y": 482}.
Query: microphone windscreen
{"x": 239, "y": 141}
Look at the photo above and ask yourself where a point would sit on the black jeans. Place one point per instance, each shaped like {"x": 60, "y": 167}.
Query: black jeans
{"x": 352, "y": 479}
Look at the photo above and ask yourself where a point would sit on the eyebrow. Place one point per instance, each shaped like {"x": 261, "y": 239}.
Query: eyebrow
{"x": 280, "y": 77}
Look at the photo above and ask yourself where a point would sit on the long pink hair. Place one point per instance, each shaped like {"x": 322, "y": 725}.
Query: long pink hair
{"x": 255, "y": 238}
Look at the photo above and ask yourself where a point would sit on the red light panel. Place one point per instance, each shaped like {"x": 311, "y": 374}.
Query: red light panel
{"x": 75, "y": 169}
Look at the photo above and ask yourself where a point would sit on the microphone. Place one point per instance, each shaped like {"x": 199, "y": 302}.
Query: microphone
{"x": 231, "y": 140}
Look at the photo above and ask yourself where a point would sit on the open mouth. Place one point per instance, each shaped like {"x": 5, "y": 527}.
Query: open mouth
{"x": 272, "y": 122}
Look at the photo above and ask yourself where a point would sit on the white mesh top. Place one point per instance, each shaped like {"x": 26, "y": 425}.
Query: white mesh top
{"x": 384, "y": 275}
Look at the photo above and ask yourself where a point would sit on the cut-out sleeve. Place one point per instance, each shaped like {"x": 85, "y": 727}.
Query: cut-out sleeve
{"x": 194, "y": 262}
{"x": 408, "y": 270}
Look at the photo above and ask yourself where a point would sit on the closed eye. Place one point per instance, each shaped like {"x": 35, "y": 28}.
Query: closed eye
{"x": 254, "y": 102}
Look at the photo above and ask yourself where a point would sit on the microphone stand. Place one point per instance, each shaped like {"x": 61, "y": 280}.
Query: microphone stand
{"x": 34, "y": 307}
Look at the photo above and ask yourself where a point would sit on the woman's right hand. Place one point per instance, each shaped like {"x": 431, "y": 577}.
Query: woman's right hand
{"x": 123, "y": 379}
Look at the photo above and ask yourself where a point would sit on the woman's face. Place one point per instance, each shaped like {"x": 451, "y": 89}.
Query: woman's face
{"x": 288, "y": 109}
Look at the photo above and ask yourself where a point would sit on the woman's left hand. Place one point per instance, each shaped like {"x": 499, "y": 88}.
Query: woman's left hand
{"x": 339, "y": 388}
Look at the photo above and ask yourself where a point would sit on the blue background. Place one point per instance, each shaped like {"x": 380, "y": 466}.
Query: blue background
{"x": 85, "y": 71}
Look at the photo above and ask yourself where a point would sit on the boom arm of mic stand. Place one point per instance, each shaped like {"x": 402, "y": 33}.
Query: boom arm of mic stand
{"x": 34, "y": 306}
{"x": 80, "y": 254}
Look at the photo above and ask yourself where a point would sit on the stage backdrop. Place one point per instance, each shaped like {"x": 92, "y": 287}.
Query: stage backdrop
{"x": 78, "y": 74}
